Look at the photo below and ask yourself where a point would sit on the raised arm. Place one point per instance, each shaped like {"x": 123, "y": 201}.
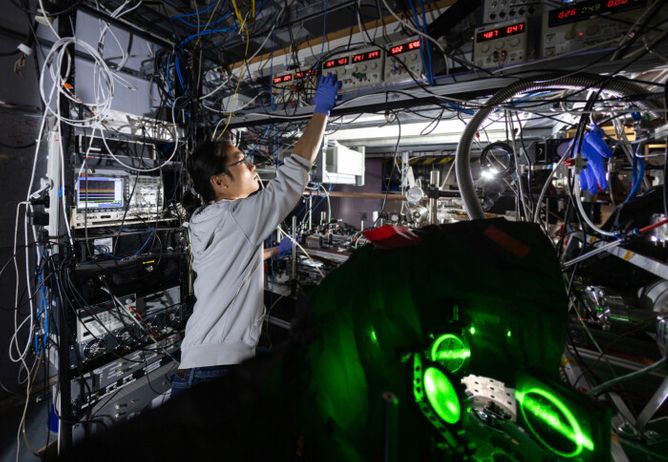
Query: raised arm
{"x": 259, "y": 214}
{"x": 324, "y": 100}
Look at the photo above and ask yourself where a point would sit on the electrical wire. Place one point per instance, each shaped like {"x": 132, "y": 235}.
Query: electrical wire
{"x": 625, "y": 378}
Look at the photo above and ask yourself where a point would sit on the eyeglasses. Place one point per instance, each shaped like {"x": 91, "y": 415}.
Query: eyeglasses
{"x": 244, "y": 159}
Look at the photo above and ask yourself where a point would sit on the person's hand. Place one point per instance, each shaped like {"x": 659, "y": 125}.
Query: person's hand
{"x": 325, "y": 96}
{"x": 284, "y": 247}
{"x": 594, "y": 150}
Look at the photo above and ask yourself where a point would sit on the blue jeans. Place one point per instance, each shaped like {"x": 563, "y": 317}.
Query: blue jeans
{"x": 183, "y": 379}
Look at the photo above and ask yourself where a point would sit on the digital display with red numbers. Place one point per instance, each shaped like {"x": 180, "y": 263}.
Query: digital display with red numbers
{"x": 501, "y": 32}
{"x": 368, "y": 56}
{"x": 404, "y": 47}
{"x": 585, "y": 10}
{"x": 282, "y": 78}
{"x": 335, "y": 62}
{"x": 302, "y": 74}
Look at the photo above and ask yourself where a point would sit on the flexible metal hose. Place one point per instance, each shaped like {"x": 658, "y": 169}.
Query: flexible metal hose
{"x": 613, "y": 86}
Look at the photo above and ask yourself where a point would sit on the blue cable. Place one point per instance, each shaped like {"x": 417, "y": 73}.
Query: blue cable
{"x": 177, "y": 66}
{"x": 638, "y": 169}
{"x": 42, "y": 308}
{"x": 428, "y": 49}
{"x": 168, "y": 79}
{"x": 423, "y": 43}
{"x": 272, "y": 103}
{"x": 324, "y": 26}
{"x": 143, "y": 246}
{"x": 212, "y": 23}
{"x": 195, "y": 13}
{"x": 203, "y": 33}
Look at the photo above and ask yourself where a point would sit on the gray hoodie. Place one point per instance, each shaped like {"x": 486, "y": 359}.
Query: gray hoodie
{"x": 226, "y": 239}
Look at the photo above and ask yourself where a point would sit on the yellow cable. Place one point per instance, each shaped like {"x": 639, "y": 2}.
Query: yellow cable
{"x": 237, "y": 13}
{"x": 241, "y": 74}
{"x": 211, "y": 17}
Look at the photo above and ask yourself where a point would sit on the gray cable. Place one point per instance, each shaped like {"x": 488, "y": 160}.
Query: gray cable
{"x": 640, "y": 372}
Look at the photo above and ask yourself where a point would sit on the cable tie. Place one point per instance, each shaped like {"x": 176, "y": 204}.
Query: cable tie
{"x": 25, "y": 49}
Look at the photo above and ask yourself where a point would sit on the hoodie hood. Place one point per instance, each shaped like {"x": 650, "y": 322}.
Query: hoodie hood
{"x": 204, "y": 223}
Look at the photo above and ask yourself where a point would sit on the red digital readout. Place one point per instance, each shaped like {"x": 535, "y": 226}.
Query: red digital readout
{"x": 490, "y": 34}
{"x": 335, "y": 62}
{"x": 567, "y": 13}
{"x": 375, "y": 54}
{"x": 501, "y": 32}
{"x": 282, "y": 78}
{"x": 302, "y": 74}
{"x": 404, "y": 47}
{"x": 514, "y": 29}
{"x": 584, "y": 10}
{"x": 396, "y": 50}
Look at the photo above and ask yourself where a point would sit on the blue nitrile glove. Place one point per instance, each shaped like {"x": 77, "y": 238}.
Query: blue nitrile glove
{"x": 285, "y": 247}
{"x": 325, "y": 95}
{"x": 594, "y": 149}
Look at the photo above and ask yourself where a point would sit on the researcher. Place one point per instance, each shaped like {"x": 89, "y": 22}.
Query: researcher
{"x": 227, "y": 236}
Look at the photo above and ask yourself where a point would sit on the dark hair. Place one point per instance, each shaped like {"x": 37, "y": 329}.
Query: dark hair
{"x": 208, "y": 159}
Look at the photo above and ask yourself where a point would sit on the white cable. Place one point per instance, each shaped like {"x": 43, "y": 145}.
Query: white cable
{"x": 247, "y": 60}
{"x": 585, "y": 217}
{"x": 592, "y": 253}
{"x": 329, "y": 204}
{"x": 410, "y": 27}
{"x": 129, "y": 167}
{"x": 14, "y": 342}
{"x": 294, "y": 241}
{"x": 215, "y": 90}
{"x": 23, "y": 416}
{"x": 53, "y": 63}
{"x": 547, "y": 184}
{"x": 47, "y": 20}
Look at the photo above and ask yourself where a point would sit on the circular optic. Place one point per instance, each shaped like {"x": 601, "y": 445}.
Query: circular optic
{"x": 449, "y": 350}
{"x": 442, "y": 395}
{"x": 552, "y": 423}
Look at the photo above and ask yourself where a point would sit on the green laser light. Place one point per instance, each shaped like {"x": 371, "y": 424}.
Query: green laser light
{"x": 552, "y": 411}
{"x": 442, "y": 395}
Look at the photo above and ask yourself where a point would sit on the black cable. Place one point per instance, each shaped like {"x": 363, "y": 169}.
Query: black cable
{"x": 389, "y": 178}
{"x": 665, "y": 163}
{"x": 23, "y": 146}
{"x": 26, "y": 8}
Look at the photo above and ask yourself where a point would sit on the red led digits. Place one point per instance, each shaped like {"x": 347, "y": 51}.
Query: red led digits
{"x": 335, "y": 62}
{"x": 366, "y": 56}
{"x": 501, "y": 32}
{"x": 282, "y": 78}
{"x": 413, "y": 45}
{"x": 510, "y": 30}
{"x": 567, "y": 13}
